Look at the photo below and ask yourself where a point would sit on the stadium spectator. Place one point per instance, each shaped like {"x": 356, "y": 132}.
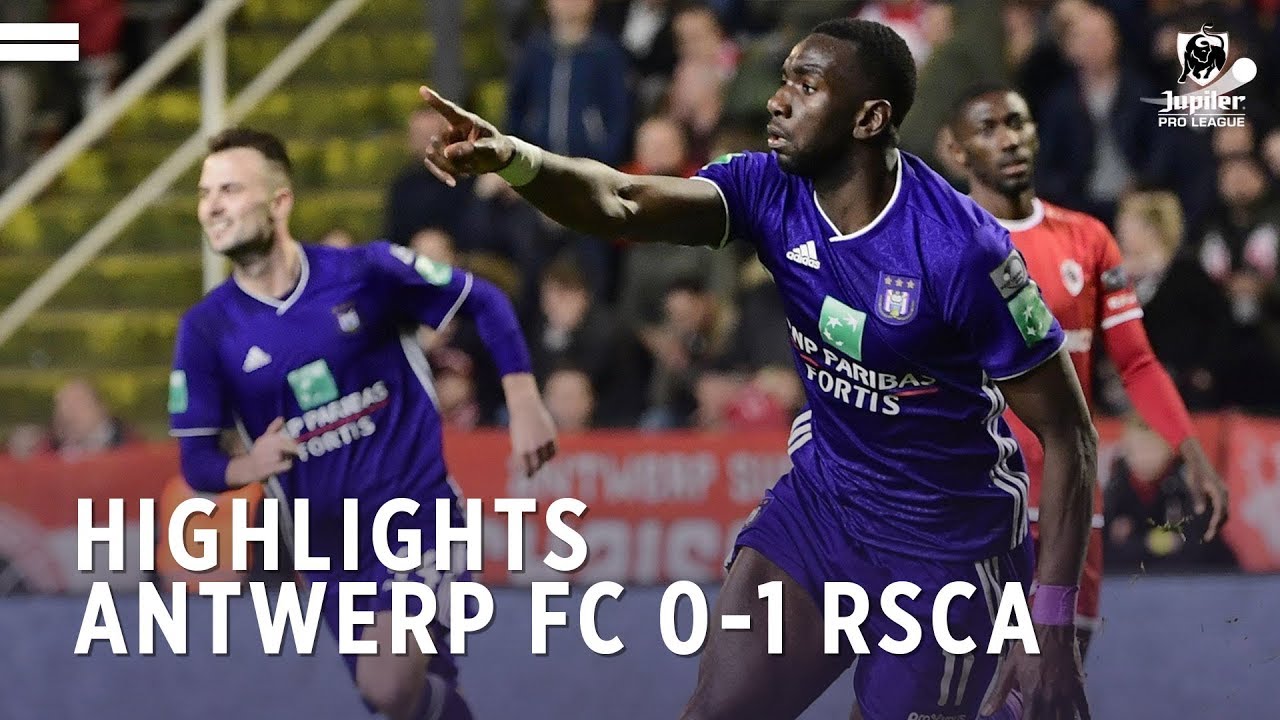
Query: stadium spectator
{"x": 569, "y": 92}
{"x": 571, "y": 399}
{"x": 706, "y": 64}
{"x": 83, "y": 425}
{"x": 1270, "y": 149}
{"x": 1148, "y": 519}
{"x": 338, "y": 238}
{"x": 1240, "y": 251}
{"x": 966, "y": 52}
{"x": 1097, "y": 137}
{"x": 921, "y": 23}
{"x": 695, "y": 336}
{"x": 1183, "y": 310}
{"x": 648, "y": 269}
{"x": 644, "y": 29}
{"x": 1234, "y": 140}
{"x": 574, "y": 330}
{"x": 101, "y": 26}
{"x": 416, "y": 199}
{"x": 435, "y": 243}
{"x": 466, "y": 378}
{"x": 26, "y": 441}
{"x": 454, "y": 376}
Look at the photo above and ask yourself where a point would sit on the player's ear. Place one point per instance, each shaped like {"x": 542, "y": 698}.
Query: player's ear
{"x": 954, "y": 154}
{"x": 282, "y": 202}
{"x": 872, "y": 119}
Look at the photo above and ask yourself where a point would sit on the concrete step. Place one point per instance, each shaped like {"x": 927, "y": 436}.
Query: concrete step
{"x": 77, "y": 340}
{"x": 110, "y": 282}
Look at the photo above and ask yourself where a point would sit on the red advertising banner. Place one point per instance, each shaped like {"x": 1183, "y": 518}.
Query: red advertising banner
{"x": 1253, "y": 470}
{"x": 39, "y": 501}
{"x": 661, "y": 506}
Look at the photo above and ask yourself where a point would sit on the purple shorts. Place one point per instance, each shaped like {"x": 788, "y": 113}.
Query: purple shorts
{"x": 795, "y": 528}
{"x": 373, "y": 571}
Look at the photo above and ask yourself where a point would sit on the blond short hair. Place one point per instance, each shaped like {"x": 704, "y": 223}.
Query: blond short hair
{"x": 1161, "y": 210}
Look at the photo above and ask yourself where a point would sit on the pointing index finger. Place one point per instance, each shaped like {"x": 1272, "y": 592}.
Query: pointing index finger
{"x": 447, "y": 108}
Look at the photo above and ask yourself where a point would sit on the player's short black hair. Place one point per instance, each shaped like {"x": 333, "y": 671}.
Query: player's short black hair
{"x": 271, "y": 147}
{"x": 971, "y": 93}
{"x": 885, "y": 59}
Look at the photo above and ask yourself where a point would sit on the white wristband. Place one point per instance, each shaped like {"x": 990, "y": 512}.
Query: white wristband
{"x": 524, "y": 165}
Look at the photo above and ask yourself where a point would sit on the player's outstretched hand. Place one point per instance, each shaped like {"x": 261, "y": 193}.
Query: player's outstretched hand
{"x": 273, "y": 452}
{"x": 533, "y": 432}
{"x": 471, "y": 145}
{"x": 1052, "y": 682}
{"x": 1205, "y": 486}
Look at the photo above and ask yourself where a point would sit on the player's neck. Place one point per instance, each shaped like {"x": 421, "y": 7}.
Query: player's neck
{"x": 856, "y": 191}
{"x": 273, "y": 273}
{"x": 1005, "y": 207}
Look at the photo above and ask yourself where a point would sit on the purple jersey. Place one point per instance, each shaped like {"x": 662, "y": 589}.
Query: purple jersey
{"x": 338, "y": 359}
{"x": 899, "y": 331}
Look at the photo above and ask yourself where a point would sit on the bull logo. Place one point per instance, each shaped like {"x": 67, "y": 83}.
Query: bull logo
{"x": 1203, "y": 55}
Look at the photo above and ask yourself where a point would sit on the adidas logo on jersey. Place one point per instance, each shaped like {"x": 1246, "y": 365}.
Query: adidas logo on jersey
{"x": 255, "y": 358}
{"x": 805, "y": 254}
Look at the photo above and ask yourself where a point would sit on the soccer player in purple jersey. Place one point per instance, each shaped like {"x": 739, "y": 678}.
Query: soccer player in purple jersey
{"x": 914, "y": 324}
{"x": 311, "y": 351}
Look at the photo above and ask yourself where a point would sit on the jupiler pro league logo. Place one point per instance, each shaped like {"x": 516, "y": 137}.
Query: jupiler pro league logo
{"x": 1203, "y": 55}
{"x": 1205, "y": 94}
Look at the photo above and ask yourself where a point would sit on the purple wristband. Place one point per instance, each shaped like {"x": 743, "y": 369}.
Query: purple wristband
{"x": 1054, "y": 605}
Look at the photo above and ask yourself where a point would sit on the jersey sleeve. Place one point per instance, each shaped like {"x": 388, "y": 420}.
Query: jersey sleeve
{"x": 1118, "y": 303}
{"x": 998, "y": 309}
{"x": 742, "y": 180}
{"x": 199, "y": 402}
{"x": 425, "y": 291}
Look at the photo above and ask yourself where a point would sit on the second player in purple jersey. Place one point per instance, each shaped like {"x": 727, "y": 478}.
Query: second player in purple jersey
{"x": 310, "y": 354}
{"x": 338, "y": 360}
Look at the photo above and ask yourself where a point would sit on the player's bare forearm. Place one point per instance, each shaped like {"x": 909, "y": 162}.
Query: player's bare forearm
{"x": 243, "y": 471}
{"x": 1050, "y": 402}
{"x": 593, "y": 198}
{"x": 519, "y": 386}
{"x": 579, "y": 193}
{"x": 1066, "y": 502}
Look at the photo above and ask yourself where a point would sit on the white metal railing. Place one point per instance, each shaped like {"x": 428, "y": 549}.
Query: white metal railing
{"x": 209, "y": 26}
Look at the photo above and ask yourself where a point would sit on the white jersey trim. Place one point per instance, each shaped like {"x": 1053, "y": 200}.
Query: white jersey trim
{"x": 1098, "y": 521}
{"x": 1026, "y": 223}
{"x": 723, "y": 201}
{"x": 893, "y": 200}
{"x": 1016, "y": 484}
{"x": 194, "y": 432}
{"x": 1124, "y": 317}
{"x": 282, "y": 306}
{"x": 801, "y": 432}
{"x": 418, "y": 363}
{"x": 1033, "y": 367}
{"x": 457, "y": 304}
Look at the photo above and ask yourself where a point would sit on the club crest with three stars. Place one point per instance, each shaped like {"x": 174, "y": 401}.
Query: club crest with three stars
{"x": 897, "y": 298}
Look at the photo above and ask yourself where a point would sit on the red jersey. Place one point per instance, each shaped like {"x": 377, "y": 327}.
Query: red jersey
{"x": 1078, "y": 266}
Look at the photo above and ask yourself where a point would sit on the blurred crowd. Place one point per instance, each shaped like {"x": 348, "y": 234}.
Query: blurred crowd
{"x": 629, "y": 335}
{"x": 41, "y": 102}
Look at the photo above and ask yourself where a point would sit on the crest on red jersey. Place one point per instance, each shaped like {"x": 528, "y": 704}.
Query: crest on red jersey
{"x": 1072, "y": 276}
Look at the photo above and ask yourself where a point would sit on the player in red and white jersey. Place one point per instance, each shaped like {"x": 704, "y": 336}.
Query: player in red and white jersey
{"x": 1079, "y": 268}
